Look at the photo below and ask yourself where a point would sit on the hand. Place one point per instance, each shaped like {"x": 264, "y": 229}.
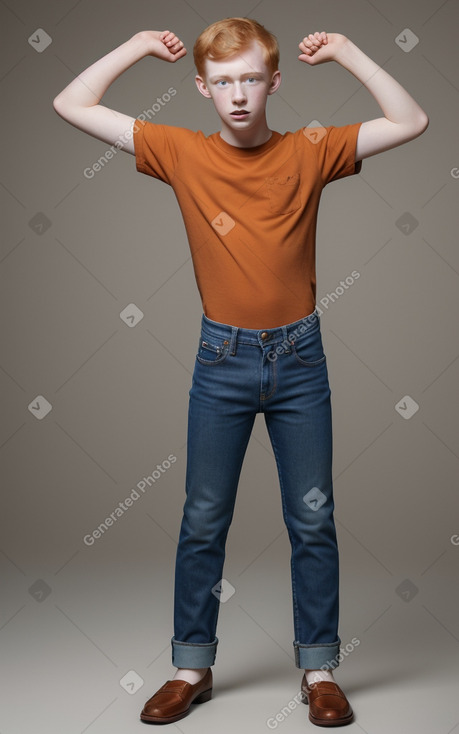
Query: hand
{"x": 165, "y": 45}
{"x": 317, "y": 48}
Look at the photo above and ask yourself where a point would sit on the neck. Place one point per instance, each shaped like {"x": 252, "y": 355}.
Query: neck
{"x": 246, "y": 138}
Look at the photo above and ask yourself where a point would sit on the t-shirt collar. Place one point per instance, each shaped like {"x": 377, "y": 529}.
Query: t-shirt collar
{"x": 245, "y": 152}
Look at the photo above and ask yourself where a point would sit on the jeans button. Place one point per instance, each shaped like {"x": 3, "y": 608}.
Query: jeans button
{"x": 264, "y": 335}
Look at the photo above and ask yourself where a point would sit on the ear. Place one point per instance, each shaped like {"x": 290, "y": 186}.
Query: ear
{"x": 201, "y": 85}
{"x": 275, "y": 82}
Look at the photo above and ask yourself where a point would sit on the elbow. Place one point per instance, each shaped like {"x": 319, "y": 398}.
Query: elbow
{"x": 415, "y": 128}
{"x": 61, "y": 107}
{"x": 422, "y": 124}
{"x": 57, "y": 105}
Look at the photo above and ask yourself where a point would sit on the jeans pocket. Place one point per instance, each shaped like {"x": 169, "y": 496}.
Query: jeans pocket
{"x": 212, "y": 350}
{"x": 309, "y": 352}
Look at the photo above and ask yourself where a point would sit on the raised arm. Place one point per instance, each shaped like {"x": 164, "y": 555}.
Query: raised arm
{"x": 403, "y": 118}
{"x": 79, "y": 104}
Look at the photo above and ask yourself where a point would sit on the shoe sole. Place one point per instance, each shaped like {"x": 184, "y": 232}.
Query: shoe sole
{"x": 324, "y": 722}
{"x": 202, "y": 698}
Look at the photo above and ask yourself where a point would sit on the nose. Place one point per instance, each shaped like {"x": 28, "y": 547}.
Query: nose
{"x": 238, "y": 93}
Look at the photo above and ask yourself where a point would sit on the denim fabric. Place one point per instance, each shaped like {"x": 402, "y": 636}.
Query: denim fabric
{"x": 281, "y": 372}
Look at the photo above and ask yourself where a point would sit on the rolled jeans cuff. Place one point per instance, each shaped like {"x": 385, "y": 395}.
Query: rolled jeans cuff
{"x": 323, "y": 656}
{"x": 193, "y": 654}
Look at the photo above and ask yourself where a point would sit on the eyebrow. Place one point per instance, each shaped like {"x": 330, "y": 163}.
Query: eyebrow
{"x": 225, "y": 76}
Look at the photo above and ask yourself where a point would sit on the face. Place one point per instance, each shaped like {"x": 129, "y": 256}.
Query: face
{"x": 239, "y": 87}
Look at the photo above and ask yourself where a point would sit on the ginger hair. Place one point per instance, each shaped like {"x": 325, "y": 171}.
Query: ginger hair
{"x": 227, "y": 37}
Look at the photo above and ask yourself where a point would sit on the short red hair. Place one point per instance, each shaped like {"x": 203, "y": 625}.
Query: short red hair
{"x": 228, "y": 36}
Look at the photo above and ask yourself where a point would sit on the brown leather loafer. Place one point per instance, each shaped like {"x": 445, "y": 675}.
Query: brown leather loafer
{"x": 328, "y": 706}
{"x": 172, "y": 701}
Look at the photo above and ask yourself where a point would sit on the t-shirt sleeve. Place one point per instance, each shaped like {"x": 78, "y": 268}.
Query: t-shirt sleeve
{"x": 157, "y": 148}
{"x": 335, "y": 151}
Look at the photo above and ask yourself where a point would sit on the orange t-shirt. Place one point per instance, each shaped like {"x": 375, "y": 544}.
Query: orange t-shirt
{"x": 250, "y": 213}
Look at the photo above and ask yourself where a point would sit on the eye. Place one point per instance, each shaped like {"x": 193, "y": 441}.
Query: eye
{"x": 251, "y": 79}
{"x": 222, "y": 81}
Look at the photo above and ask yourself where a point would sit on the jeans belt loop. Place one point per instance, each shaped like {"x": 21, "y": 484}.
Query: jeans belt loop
{"x": 285, "y": 339}
{"x": 234, "y": 331}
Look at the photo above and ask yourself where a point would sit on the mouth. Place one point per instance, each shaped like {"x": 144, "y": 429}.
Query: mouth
{"x": 239, "y": 114}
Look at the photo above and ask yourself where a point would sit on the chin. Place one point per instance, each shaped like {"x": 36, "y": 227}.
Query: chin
{"x": 236, "y": 124}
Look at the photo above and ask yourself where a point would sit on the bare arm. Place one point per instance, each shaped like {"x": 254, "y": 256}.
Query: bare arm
{"x": 403, "y": 118}
{"x": 79, "y": 104}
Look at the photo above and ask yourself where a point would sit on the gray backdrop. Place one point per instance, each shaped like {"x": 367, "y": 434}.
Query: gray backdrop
{"x": 94, "y": 397}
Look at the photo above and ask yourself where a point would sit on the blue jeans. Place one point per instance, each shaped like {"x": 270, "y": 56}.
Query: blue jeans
{"x": 281, "y": 372}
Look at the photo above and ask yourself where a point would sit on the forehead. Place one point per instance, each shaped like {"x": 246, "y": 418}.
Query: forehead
{"x": 247, "y": 60}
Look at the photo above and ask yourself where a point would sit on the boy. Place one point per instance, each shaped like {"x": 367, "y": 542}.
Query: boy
{"x": 249, "y": 198}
